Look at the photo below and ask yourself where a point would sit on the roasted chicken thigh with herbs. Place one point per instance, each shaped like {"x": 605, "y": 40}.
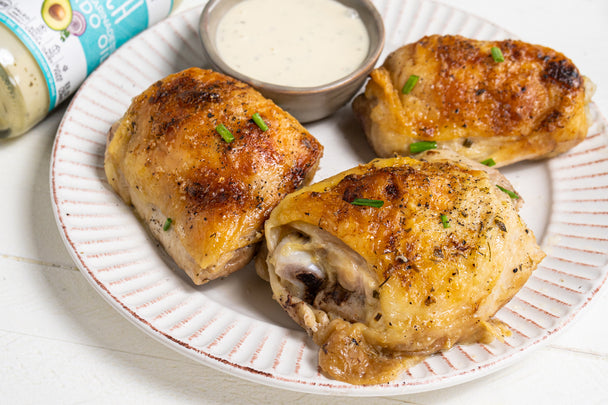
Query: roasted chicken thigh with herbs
{"x": 397, "y": 259}
{"x": 531, "y": 105}
{"x": 204, "y": 196}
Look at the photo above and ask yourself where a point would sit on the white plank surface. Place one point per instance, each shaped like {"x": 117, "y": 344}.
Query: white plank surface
{"x": 60, "y": 342}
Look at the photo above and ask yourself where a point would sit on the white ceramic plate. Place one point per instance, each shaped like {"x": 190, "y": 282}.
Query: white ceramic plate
{"x": 233, "y": 324}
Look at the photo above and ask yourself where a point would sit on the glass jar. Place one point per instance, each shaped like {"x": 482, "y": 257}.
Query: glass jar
{"x": 20, "y": 79}
{"x": 48, "y": 47}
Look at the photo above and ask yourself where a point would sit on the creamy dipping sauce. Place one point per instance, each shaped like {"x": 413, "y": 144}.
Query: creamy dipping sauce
{"x": 24, "y": 95}
{"x": 298, "y": 43}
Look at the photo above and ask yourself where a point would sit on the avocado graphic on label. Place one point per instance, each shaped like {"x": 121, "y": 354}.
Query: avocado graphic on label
{"x": 57, "y": 14}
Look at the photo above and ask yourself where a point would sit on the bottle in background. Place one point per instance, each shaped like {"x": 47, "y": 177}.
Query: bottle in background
{"x": 48, "y": 48}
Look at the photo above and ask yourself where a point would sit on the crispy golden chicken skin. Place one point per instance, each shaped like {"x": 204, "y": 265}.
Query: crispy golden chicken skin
{"x": 532, "y": 105}
{"x": 379, "y": 288}
{"x": 165, "y": 157}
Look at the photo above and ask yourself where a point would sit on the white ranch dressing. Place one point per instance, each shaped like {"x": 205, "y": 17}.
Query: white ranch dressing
{"x": 298, "y": 43}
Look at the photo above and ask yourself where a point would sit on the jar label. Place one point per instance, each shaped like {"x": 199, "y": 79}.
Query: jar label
{"x": 70, "y": 38}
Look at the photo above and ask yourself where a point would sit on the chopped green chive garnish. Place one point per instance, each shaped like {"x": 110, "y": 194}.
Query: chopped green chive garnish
{"x": 445, "y": 221}
{"x": 489, "y": 162}
{"x": 368, "y": 202}
{"x": 497, "y": 54}
{"x": 418, "y": 147}
{"x": 259, "y": 122}
{"x": 167, "y": 224}
{"x": 509, "y": 192}
{"x": 409, "y": 84}
{"x": 223, "y": 131}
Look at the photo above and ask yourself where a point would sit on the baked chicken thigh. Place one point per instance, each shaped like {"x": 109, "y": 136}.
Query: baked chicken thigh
{"x": 205, "y": 198}
{"x": 433, "y": 252}
{"x": 531, "y": 105}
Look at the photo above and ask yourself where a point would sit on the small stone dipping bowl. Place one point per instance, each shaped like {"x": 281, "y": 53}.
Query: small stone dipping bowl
{"x": 307, "y": 104}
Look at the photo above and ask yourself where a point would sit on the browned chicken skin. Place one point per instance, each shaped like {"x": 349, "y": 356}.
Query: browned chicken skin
{"x": 532, "y": 105}
{"x": 165, "y": 158}
{"x": 379, "y": 288}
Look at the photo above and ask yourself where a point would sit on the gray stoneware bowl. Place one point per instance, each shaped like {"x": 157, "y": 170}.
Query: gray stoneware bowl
{"x": 305, "y": 103}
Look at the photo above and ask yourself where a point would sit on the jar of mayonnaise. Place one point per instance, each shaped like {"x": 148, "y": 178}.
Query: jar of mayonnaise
{"x": 48, "y": 47}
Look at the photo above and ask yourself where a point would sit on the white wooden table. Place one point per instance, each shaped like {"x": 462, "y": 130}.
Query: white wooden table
{"x": 61, "y": 343}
